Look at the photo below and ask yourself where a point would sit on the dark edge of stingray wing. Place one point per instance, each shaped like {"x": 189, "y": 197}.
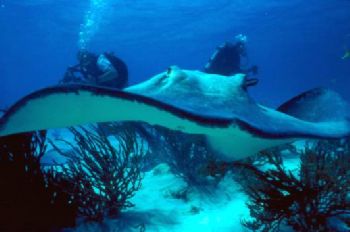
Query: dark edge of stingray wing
{"x": 207, "y": 121}
{"x": 284, "y": 107}
{"x": 283, "y": 135}
{"x": 102, "y": 91}
{"x": 317, "y": 105}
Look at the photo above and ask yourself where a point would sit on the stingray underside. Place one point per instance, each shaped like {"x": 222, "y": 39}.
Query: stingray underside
{"x": 236, "y": 132}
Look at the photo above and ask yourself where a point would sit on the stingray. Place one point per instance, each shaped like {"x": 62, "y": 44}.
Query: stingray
{"x": 193, "y": 102}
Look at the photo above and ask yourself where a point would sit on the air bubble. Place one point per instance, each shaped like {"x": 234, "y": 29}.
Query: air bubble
{"x": 92, "y": 19}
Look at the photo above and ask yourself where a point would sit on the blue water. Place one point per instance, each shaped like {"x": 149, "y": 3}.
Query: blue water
{"x": 297, "y": 44}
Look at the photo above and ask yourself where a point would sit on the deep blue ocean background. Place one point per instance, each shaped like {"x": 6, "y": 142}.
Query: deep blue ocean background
{"x": 297, "y": 44}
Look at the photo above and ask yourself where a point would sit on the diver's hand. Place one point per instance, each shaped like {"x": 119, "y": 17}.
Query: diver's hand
{"x": 68, "y": 77}
{"x": 248, "y": 82}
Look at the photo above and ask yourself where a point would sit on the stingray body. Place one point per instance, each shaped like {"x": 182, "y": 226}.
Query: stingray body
{"x": 189, "y": 101}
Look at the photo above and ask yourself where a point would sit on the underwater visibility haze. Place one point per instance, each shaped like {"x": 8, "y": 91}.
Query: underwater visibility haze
{"x": 297, "y": 45}
{"x": 143, "y": 115}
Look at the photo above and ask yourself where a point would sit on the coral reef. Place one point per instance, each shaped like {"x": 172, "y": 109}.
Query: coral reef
{"x": 308, "y": 201}
{"x": 104, "y": 176}
{"x": 146, "y": 132}
{"x": 31, "y": 199}
{"x": 188, "y": 156}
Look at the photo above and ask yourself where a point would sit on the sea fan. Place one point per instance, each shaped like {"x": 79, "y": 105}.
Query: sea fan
{"x": 308, "y": 201}
{"x": 30, "y": 198}
{"x": 188, "y": 157}
{"x": 104, "y": 175}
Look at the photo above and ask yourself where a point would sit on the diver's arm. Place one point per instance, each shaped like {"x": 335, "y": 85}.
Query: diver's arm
{"x": 72, "y": 69}
{"x": 75, "y": 68}
{"x": 109, "y": 75}
{"x": 71, "y": 75}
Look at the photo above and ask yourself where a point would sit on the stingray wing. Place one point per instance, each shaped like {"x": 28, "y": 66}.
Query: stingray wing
{"x": 234, "y": 137}
{"x": 71, "y": 105}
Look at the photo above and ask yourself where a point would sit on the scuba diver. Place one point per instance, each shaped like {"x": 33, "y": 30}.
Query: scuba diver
{"x": 226, "y": 60}
{"x": 104, "y": 70}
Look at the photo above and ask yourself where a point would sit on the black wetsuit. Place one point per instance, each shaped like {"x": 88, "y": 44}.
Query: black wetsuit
{"x": 226, "y": 61}
{"x": 122, "y": 79}
{"x": 91, "y": 72}
{"x": 89, "y": 69}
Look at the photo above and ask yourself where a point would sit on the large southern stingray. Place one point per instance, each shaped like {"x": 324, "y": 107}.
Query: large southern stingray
{"x": 190, "y": 101}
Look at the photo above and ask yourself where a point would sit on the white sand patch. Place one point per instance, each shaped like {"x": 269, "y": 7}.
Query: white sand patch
{"x": 166, "y": 203}
{"x": 221, "y": 209}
